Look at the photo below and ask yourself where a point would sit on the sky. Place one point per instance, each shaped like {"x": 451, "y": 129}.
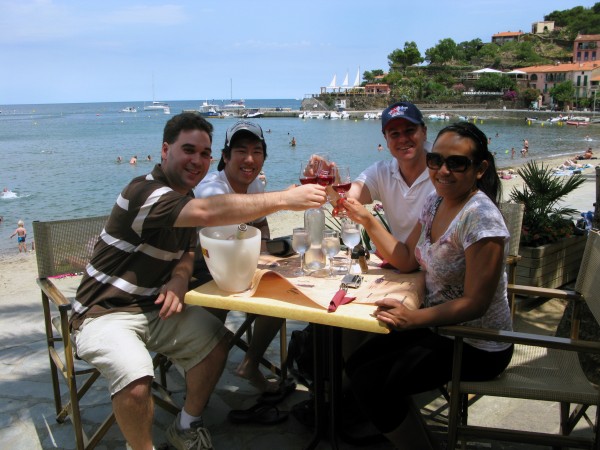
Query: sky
{"x": 72, "y": 51}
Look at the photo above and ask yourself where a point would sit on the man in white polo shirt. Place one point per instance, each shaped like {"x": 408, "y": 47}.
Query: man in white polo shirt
{"x": 401, "y": 184}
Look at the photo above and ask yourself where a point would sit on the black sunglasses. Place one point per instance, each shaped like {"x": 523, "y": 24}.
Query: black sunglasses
{"x": 454, "y": 163}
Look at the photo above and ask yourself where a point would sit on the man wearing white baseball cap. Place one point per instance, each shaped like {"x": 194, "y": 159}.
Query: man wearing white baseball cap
{"x": 241, "y": 162}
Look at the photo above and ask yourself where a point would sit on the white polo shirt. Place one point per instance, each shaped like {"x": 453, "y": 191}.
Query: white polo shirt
{"x": 402, "y": 204}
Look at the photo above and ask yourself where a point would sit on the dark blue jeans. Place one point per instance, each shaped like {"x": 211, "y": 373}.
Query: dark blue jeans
{"x": 387, "y": 369}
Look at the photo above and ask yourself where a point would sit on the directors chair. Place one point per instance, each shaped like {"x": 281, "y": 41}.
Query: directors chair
{"x": 543, "y": 369}
{"x": 513, "y": 217}
{"x": 63, "y": 248}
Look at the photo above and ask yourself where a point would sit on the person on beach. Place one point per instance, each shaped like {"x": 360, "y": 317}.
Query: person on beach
{"x": 526, "y": 146}
{"x": 21, "y": 234}
{"x": 512, "y": 153}
{"x": 589, "y": 154}
{"x": 241, "y": 163}
{"x": 459, "y": 243}
{"x": 130, "y": 300}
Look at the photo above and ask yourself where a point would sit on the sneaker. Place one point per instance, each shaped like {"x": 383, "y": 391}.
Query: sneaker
{"x": 196, "y": 438}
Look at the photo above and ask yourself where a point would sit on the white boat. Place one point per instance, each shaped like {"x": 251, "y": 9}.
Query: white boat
{"x": 209, "y": 110}
{"x": 254, "y": 114}
{"x": 370, "y": 116}
{"x": 312, "y": 115}
{"x": 129, "y": 109}
{"x": 345, "y": 115}
{"x": 158, "y": 106}
{"x": 334, "y": 115}
{"x": 234, "y": 104}
{"x": 440, "y": 116}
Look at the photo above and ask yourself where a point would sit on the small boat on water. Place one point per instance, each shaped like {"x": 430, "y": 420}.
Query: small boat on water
{"x": 234, "y": 104}
{"x": 254, "y": 114}
{"x": 158, "y": 106}
{"x": 312, "y": 115}
{"x": 129, "y": 109}
{"x": 578, "y": 123}
{"x": 210, "y": 110}
{"x": 370, "y": 116}
{"x": 440, "y": 116}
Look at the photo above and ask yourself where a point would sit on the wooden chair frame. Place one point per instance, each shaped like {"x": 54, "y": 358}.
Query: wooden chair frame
{"x": 64, "y": 247}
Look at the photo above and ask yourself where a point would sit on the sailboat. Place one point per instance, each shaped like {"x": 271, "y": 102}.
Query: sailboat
{"x": 233, "y": 104}
{"x": 155, "y": 105}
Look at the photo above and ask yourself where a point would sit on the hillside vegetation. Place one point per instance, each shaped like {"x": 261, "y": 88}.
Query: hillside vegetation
{"x": 436, "y": 75}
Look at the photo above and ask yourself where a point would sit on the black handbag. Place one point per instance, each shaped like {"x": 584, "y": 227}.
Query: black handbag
{"x": 281, "y": 246}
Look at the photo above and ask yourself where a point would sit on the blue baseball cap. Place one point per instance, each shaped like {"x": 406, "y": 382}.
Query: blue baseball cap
{"x": 401, "y": 110}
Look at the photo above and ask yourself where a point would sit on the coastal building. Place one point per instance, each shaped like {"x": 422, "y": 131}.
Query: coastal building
{"x": 545, "y": 26}
{"x": 585, "y": 47}
{"x": 506, "y": 36}
{"x": 584, "y": 75}
{"x": 377, "y": 89}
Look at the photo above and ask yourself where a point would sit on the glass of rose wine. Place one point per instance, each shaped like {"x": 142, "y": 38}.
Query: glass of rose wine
{"x": 341, "y": 185}
{"x": 308, "y": 172}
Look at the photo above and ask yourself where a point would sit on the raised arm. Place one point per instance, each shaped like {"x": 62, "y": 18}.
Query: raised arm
{"x": 238, "y": 208}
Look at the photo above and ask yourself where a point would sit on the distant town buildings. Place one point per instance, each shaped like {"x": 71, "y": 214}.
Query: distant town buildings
{"x": 506, "y": 36}
{"x": 542, "y": 27}
{"x": 583, "y": 71}
{"x": 585, "y": 47}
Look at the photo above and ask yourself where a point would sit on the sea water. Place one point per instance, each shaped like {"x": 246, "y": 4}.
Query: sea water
{"x": 59, "y": 160}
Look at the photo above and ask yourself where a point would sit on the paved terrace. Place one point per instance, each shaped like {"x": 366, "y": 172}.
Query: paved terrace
{"x": 27, "y": 408}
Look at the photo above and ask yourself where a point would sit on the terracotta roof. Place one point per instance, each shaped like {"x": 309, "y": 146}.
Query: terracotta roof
{"x": 588, "y": 37}
{"x": 508, "y": 33}
{"x": 570, "y": 67}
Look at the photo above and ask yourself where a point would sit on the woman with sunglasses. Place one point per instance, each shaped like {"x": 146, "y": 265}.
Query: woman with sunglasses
{"x": 459, "y": 243}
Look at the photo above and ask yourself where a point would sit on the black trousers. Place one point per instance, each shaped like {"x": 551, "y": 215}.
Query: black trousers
{"x": 387, "y": 369}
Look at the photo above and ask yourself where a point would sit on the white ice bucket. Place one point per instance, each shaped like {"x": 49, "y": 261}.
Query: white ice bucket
{"x": 231, "y": 255}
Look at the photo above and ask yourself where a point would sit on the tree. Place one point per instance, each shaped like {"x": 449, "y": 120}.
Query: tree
{"x": 443, "y": 53}
{"x": 563, "y": 93}
{"x": 529, "y": 95}
{"x": 470, "y": 49}
{"x": 577, "y": 20}
{"x": 369, "y": 76}
{"x": 494, "y": 82}
{"x": 407, "y": 57}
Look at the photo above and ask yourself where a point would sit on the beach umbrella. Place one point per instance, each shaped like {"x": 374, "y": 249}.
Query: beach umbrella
{"x": 487, "y": 70}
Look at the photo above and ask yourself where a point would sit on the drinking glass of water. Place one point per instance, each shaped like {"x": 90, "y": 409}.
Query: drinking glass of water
{"x": 350, "y": 235}
{"x": 330, "y": 247}
{"x": 300, "y": 243}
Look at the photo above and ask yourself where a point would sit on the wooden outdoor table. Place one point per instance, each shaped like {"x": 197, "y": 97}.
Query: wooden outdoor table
{"x": 276, "y": 293}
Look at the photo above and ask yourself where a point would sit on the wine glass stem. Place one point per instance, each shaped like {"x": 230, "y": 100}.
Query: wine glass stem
{"x": 330, "y": 267}
{"x": 302, "y": 262}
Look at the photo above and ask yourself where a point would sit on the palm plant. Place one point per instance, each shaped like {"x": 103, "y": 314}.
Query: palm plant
{"x": 544, "y": 221}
